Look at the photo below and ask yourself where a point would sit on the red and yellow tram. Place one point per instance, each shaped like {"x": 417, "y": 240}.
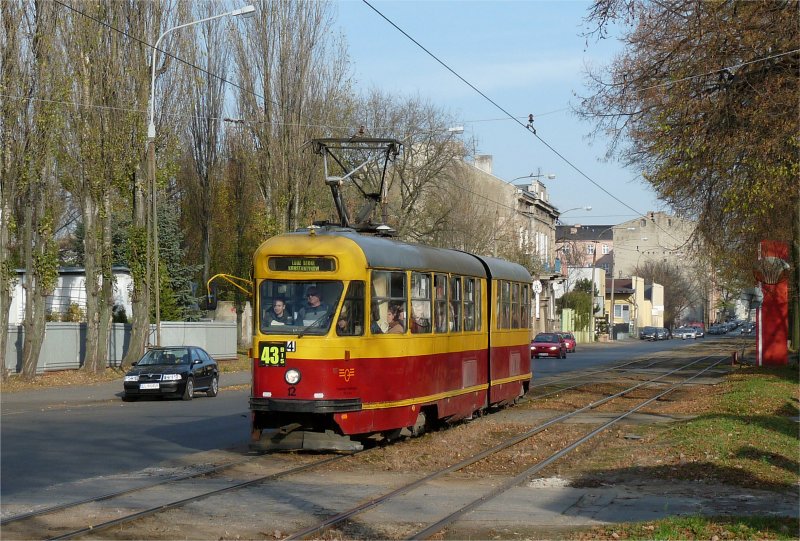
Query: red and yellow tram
{"x": 359, "y": 335}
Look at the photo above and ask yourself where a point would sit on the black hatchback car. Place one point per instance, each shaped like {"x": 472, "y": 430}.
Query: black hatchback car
{"x": 172, "y": 371}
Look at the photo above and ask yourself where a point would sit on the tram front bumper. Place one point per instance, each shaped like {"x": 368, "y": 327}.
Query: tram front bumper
{"x": 290, "y": 438}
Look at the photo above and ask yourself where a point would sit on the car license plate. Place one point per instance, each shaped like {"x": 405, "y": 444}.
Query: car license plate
{"x": 148, "y": 386}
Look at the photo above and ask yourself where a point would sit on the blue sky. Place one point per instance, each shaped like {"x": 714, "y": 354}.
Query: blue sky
{"x": 527, "y": 56}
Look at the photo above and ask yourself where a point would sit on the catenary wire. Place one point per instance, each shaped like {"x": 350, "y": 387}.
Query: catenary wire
{"x": 527, "y": 127}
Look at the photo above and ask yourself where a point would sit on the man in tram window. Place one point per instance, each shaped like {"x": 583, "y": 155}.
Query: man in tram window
{"x": 375, "y": 316}
{"x": 315, "y": 310}
{"x": 278, "y": 315}
{"x": 394, "y": 319}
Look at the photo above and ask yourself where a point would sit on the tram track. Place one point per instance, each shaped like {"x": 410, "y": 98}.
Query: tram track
{"x": 365, "y": 506}
{"x": 21, "y": 523}
{"x": 318, "y": 529}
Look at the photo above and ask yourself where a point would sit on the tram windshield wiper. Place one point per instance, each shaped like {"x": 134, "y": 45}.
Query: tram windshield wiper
{"x": 315, "y": 323}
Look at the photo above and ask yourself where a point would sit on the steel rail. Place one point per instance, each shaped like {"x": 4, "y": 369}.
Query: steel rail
{"x": 521, "y": 477}
{"x": 340, "y": 517}
{"x": 110, "y": 495}
{"x": 180, "y": 503}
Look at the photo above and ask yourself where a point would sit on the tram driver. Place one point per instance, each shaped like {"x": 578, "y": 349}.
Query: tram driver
{"x": 315, "y": 310}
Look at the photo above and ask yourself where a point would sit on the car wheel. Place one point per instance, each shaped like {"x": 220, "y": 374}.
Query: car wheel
{"x": 213, "y": 390}
{"x": 535, "y": 356}
{"x": 188, "y": 393}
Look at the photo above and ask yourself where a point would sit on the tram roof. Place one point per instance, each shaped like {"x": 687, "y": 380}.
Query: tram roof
{"x": 382, "y": 252}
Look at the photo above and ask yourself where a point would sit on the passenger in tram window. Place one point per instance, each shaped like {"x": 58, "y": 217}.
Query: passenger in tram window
{"x": 441, "y": 317}
{"x": 420, "y": 322}
{"x": 343, "y": 327}
{"x": 316, "y": 310}
{"x": 375, "y": 316}
{"x": 278, "y": 314}
{"x": 394, "y": 319}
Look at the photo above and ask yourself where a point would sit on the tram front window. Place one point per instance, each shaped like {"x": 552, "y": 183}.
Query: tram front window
{"x": 289, "y": 307}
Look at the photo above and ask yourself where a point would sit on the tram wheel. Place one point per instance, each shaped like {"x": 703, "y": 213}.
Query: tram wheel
{"x": 391, "y": 435}
{"x": 419, "y": 427}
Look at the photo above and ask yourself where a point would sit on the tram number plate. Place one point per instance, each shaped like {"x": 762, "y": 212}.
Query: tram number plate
{"x": 148, "y": 386}
{"x": 272, "y": 354}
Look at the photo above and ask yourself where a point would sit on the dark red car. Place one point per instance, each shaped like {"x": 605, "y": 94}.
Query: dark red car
{"x": 569, "y": 338}
{"x": 549, "y": 344}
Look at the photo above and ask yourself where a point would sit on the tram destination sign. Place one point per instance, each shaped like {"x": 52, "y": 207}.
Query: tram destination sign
{"x": 302, "y": 264}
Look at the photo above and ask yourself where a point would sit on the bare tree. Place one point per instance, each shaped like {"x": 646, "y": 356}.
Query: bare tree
{"x": 293, "y": 72}
{"x": 680, "y": 295}
{"x": 205, "y": 131}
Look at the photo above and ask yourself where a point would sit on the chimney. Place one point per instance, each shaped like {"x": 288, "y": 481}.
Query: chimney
{"x": 484, "y": 163}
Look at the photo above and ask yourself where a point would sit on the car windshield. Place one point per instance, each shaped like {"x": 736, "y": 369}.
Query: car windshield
{"x": 545, "y": 338}
{"x": 298, "y": 306}
{"x": 165, "y": 357}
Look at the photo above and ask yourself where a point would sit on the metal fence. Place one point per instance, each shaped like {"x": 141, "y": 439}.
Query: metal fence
{"x": 64, "y": 346}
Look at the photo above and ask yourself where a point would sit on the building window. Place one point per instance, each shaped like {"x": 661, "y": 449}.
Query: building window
{"x": 606, "y": 249}
{"x": 590, "y": 249}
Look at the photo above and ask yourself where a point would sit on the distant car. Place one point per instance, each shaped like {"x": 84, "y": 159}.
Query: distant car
{"x": 662, "y": 333}
{"x": 685, "y": 333}
{"x": 178, "y": 371}
{"x": 648, "y": 333}
{"x": 549, "y": 344}
{"x": 569, "y": 338}
{"x": 698, "y": 331}
{"x": 717, "y": 329}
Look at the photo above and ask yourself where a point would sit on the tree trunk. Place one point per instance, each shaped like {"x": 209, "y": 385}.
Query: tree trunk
{"x": 140, "y": 269}
{"x": 92, "y": 282}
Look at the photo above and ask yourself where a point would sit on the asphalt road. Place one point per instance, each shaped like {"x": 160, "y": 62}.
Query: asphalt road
{"x": 59, "y": 436}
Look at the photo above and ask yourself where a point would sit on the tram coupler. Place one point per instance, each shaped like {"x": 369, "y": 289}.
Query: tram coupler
{"x": 289, "y": 438}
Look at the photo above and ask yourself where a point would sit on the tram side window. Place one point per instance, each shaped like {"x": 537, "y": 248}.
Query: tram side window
{"x": 470, "y": 288}
{"x": 389, "y": 302}
{"x": 526, "y": 306}
{"x": 351, "y": 316}
{"x": 515, "y": 319}
{"x": 505, "y": 305}
{"x": 455, "y": 303}
{"x": 440, "y": 303}
{"x": 478, "y": 305}
{"x": 420, "y": 320}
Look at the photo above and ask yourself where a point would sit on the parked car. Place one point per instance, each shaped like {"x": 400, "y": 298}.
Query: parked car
{"x": 685, "y": 332}
{"x": 172, "y": 371}
{"x": 549, "y": 344}
{"x": 747, "y": 328}
{"x": 698, "y": 330}
{"x": 569, "y": 338}
{"x": 662, "y": 333}
{"x": 648, "y": 333}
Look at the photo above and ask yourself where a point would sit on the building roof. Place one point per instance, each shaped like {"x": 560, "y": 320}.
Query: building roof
{"x": 584, "y": 232}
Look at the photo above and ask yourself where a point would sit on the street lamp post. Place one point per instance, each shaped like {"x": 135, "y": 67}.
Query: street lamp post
{"x": 151, "y": 154}
{"x": 587, "y": 208}
{"x": 549, "y": 176}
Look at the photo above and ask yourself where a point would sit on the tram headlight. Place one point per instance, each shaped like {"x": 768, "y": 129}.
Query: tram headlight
{"x": 292, "y": 376}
